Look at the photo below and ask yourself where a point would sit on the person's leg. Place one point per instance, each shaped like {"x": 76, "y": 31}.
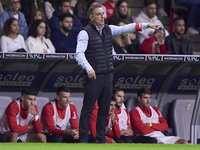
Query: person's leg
{"x": 119, "y": 140}
{"x": 181, "y": 141}
{"x": 12, "y": 136}
{"x": 69, "y": 139}
{"x": 3, "y": 138}
{"x": 104, "y": 103}
{"x": 143, "y": 139}
{"x": 54, "y": 138}
{"x": 92, "y": 91}
{"x": 32, "y": 137}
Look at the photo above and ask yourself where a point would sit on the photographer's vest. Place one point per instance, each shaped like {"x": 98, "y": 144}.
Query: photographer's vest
{"x": 99, "y": 49}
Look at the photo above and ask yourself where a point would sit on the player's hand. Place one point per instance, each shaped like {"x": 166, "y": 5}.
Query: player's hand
{"x": 128, "y": 132}
{"x": 91, "y": 74}
{"x": 112, "y": 117}
{"x": 31, "y": 109}
{"x": 154, "y": 26}
{"x": 30, "y": 124}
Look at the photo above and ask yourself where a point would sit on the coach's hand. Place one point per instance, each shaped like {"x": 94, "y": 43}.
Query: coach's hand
{"x": 154, "y": 26}
{"x": 91, "y": 74}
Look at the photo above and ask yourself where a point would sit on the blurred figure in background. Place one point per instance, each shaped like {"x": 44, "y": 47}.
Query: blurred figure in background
{"x": 155, "y": 44}
{"x": 38, "y": 41}
{"x": 123, "y": 44}
{"x": 11, "y": 40}
{"x": 12, "y": 11}
{"x": 49, "y": 8}
{"x": 108, "y": 8}
{"x": 177, "y": 42}
{"x": 30, "y": 6}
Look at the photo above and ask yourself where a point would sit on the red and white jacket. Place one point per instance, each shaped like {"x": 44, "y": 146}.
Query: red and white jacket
{"x": 16, "y": 119}
{"x": 56, "y": 119}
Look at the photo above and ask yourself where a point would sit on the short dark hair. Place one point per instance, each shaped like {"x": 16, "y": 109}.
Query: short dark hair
{"x": 62, "y": 89}
{"x": 177, "y": 18}
{"x": 28, "y": 91}
{"x": 60, "y": 2}
{"x": 116, "y": 89}
{"x": 65, "y": 15}
{"x": 90, "y": 10}
{"x": 118, "y": 20}
{"x": 6, "y": 26}
{"x": 113, "y": 99}
{"x": 145, "y": 91}
{"x": 149, "y": 2}
{"x": 33, "y": 30}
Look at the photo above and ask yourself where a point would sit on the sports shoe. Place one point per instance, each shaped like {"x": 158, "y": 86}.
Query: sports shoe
{"x": 192, "y": 30}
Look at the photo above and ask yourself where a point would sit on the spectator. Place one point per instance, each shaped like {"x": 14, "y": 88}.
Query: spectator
{"x": 38, "y": 42}
{"x": 148, "y": 121}
{"x": 155, "y": 44}
{"x": 81, "y": 8}
{"x": 49, "y": 8}
{"x": 1, "y": 8}
{"x": 148, "y": 15}
{"x": 36, "y": 15}
{"x": 57, "y": 115}
{"x": 63, "y": 7}
{"x": 64, "y": 40}
{"x": 177, "y": 42}
{"x": 121, "y": 11}
{"x": 12, "y": 11}
{"x": 123, "y": 44}
{"x": 30, "y": 6}
{"x": 193, "y": 6}
{"x": 11, "y": 40}
{"x": 108, "y": 8}
{"x": 20, "y": 121}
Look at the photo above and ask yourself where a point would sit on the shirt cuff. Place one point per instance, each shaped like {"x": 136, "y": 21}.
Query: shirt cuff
{"x": 88, "y": 68}
{"x": 145, "y": 26}
{"x": 36, "y": 117}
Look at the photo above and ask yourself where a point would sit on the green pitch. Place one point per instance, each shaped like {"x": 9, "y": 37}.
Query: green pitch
{"x": 63, "y": 146}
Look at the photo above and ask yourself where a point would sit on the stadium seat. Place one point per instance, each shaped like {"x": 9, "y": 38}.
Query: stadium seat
{"x": 41, "y": 101}
{"x": 181, "y": 114}
{"x": 131, "y": 103}
{"x": 4, "y": 101}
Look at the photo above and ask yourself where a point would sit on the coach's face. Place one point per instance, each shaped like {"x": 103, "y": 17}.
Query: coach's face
{"x": 97, "y": 17}
{"x": 63, "y": 99}
{"x": 28, "y": 100}
{"x": 144, "y": 100}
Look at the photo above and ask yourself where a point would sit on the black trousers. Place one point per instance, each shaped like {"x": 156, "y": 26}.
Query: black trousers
{"x": 100, "y": 89}
{"x": 57, "y": 138}
{"x": 135, "y": 139}
{"x": 3, "y": 138}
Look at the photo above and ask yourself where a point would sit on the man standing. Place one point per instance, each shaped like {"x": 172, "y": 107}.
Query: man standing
{"x": 64, "y": 7}
{"x": 64, "y": 40}
{"x": 57, "y": 115}
{"x": 177, "y": 42}
{"x": 148, "y": 121}
{"x": 148, "y": 15}
{"x": 20, "y": 121}
{"x": 94, "y": 55}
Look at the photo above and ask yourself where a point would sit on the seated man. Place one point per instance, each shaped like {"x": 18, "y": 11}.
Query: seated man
{"x": 64, "y": 7}
{"x": 20, "y": 121}
{"x": 148, "y": 15}
{"x": 56, "y": 116}
{"x": 64, "y": 40}
{"x": 112, "y": 128}
{"x": 148, "y": 121}
{"x": 177, "y": 42}
{"x": 127, "y": 133}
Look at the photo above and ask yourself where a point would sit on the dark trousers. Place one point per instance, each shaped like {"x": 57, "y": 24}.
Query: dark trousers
{"x": 135, "y": 139}
{"x": 3, "y": 138}
{"x": 57, "y": 138}
{"x": 100, "y": 89}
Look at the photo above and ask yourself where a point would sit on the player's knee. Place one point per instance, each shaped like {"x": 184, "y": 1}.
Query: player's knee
{"x": 13, "y": 137}
{"x": 42, "y": 138}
